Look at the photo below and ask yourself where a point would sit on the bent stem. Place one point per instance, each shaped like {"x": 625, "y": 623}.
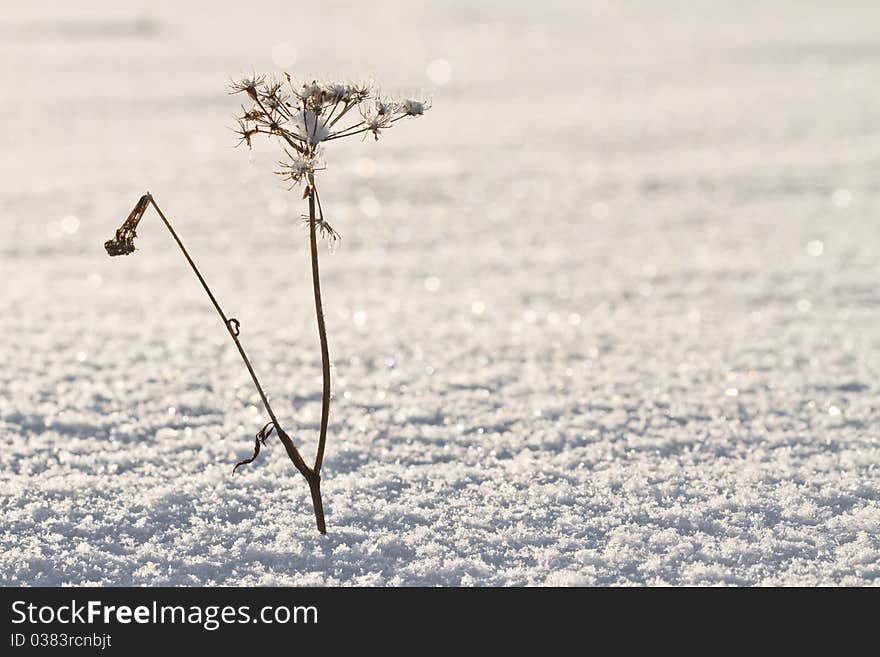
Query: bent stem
{"x": 312, "y": 475}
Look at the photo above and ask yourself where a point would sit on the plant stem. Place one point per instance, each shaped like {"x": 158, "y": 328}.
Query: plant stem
{"x": 314, "y": 480}
{"x": 322, "y": 331}
{"x": 312, "y": 476}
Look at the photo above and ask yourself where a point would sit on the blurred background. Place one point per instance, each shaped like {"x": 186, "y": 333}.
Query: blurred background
{"x": 606, "y": 314}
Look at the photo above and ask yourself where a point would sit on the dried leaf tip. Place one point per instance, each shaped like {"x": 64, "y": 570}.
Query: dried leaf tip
{"x": 123, "y": 242}
{"x": 259, "y": 439}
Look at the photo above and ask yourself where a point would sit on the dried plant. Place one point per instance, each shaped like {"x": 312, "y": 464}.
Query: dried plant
{"x": 302, "y": 119}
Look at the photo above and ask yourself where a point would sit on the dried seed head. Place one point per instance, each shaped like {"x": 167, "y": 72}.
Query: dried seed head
{"x": 246, "y": 132}
{"x": 325, "y": 229}
{"x": 298, "y": 167}
{"x": 412, "y": 107}
{"x": 311, "y": 94}
{"x": 306, "y": 117}
{"x": 385, "y": 107}
{"x": 337, "y": 93}
{"x": 373, "y": 123}
{"x": 250, "y": 86}
{"x": 358, "y": 93}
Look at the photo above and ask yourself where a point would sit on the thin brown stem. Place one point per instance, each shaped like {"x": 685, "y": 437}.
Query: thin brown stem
{"x": 312, "y": 476}
{"x": 320, "y": 217}
{"x": 358, "y": 130}
{"x": 330, "y": 115}
{"x": 314, "y": 480}
{"x": 322, "y": 331}
{"x": 345, "y": 110}
{"x": 231, "y": 325}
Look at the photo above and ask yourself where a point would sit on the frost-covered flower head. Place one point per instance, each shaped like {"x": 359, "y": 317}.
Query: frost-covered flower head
{"x": 310, "y": 126}
{"x": 413, "y": 107}
{"x": 375, "y": 120}
{"x": 304, "y": 117}
{"x": 297, "y": 167}
{"x": 386, "y": 107}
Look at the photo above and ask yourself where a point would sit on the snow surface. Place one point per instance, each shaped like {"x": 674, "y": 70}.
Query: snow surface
{"x": 607, "y": 314}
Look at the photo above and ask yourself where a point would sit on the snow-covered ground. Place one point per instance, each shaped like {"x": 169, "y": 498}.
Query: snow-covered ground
{"x": 608, "y": 314}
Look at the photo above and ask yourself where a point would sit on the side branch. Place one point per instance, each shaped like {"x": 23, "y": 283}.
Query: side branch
{"x": 289, "y": 445}
{"x": 123, "y": 244}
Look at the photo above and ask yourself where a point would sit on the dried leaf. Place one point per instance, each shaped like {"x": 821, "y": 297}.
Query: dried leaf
{"x": 123, "y": 242}
{"x": 259, "y": 439}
